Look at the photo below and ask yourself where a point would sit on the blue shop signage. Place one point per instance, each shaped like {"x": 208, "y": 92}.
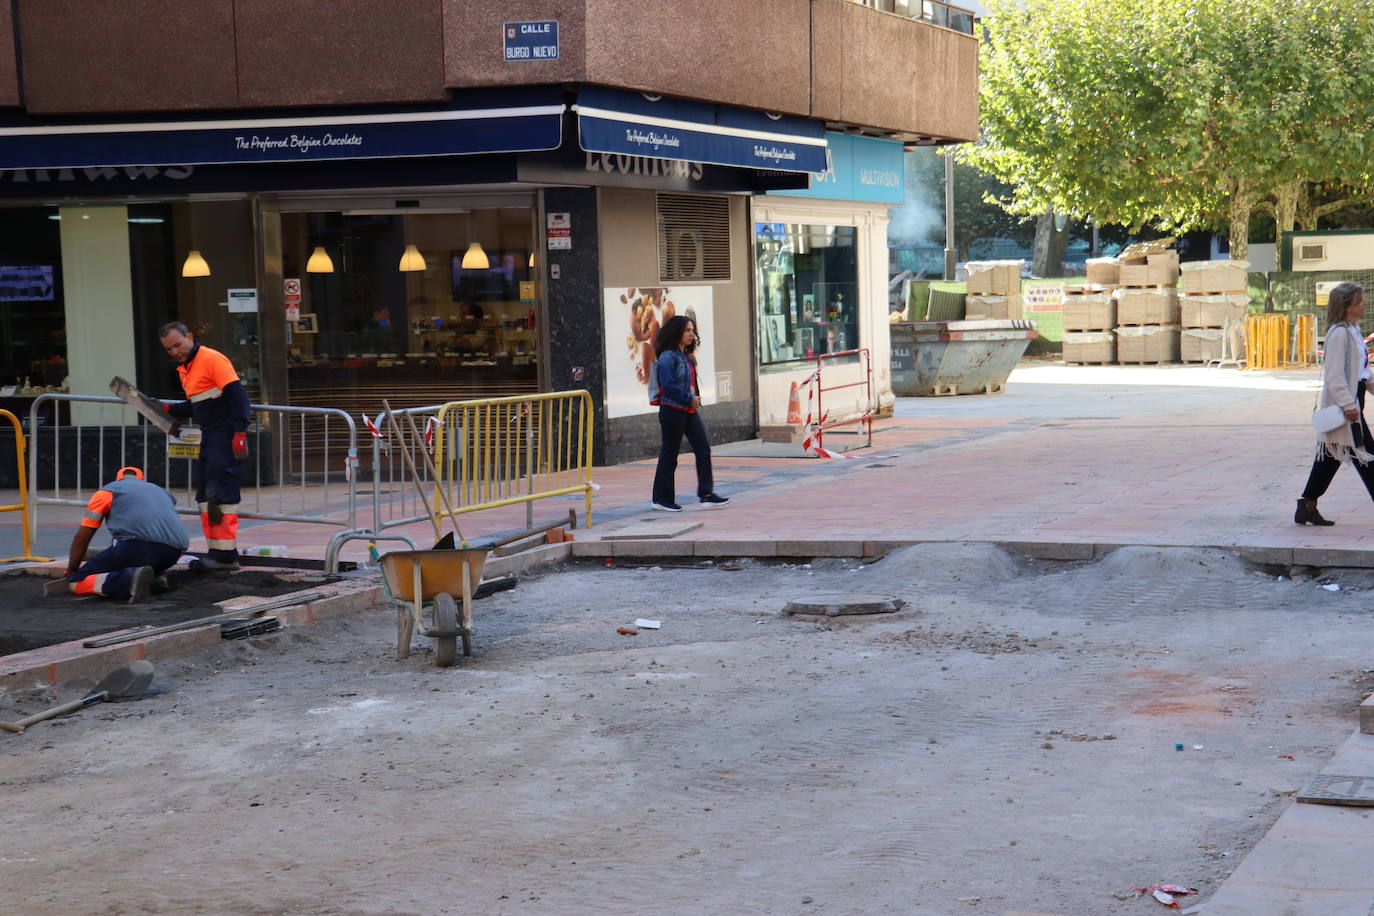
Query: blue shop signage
{"x": 532, "y": 40}
{"x": 860, "y": 168}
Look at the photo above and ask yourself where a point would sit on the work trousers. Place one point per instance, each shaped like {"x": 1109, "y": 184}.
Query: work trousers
{"x": 1324, "y": 467}
{"x": 111, "y": 572}
{"x": 674, "y": 424}
{"x": 217, "y": 491}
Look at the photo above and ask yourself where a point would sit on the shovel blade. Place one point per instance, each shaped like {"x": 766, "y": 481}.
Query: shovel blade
{"x": 127, "y": 683}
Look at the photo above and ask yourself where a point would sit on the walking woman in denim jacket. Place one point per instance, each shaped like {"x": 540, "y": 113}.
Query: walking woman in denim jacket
{"x": 673, "y": 387}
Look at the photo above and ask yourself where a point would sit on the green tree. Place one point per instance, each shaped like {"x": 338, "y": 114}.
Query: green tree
{"x": 1180, "y": 113}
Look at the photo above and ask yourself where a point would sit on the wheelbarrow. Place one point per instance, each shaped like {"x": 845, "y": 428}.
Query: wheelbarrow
{"x": 417, "y": 579}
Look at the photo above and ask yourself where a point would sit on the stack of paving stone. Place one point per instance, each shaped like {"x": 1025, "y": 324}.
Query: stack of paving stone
{"x": 1213, "y": 304}
{"x": 1089, "y": 316}
{"x": 1147, "y": 306}
{"x": 994, "y": 290}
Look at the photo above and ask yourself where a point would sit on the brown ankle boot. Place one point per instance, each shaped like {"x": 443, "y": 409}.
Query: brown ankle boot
{"x": 1307, "y": 514}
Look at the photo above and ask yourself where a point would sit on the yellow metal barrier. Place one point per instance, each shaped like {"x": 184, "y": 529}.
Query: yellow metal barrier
{"x": 1304, "y": 349}
{"x": 23, "y": 505}
{"x": 503, "y": 451}
{"x": 1266, "y": 341}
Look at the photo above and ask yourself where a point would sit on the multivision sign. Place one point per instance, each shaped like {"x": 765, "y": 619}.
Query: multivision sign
{"x": 861, "y": 168}
{"x": 532, "y": 40}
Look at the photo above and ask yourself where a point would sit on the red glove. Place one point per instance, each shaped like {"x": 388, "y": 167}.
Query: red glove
{"x": 240, "y": 445}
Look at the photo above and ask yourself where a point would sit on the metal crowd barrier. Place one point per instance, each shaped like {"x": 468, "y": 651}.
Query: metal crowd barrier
{"x": 301, "y": 466}
{"x": 25, "y": 520}
{"x": 866, "y": 407}
{"x": 504, "y": 451}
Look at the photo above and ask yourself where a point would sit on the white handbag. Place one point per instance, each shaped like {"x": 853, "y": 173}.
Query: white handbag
{"x": 1328, "y": 418}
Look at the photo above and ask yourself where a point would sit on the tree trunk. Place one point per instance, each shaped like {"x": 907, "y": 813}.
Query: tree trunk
{"x": 1047, "y": 259}
{"x": 1238, "y": 218}
{"x": 1286, "y": 198}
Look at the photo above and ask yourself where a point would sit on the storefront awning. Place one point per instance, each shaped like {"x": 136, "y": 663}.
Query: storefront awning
{"x": 480, "y": 122}
{"x": 633, "y": 124}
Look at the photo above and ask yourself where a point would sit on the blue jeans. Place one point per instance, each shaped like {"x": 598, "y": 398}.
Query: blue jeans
{"x": 674, "y": 424}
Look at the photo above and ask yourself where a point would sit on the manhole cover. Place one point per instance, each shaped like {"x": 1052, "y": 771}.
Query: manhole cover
{"x": 1339, "y": 790}
{"x": 837, "y": 605}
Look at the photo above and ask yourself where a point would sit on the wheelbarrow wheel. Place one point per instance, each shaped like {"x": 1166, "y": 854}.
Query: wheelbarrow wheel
{"x": 446, "y": 620}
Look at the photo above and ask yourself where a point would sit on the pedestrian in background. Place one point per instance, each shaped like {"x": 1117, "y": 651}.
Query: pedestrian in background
{"x": 1345, "y": 375}
{"x": 673, "y": 387}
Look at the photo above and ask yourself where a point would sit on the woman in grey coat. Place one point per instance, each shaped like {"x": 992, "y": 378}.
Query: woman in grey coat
{"x": 1344, "y": 377}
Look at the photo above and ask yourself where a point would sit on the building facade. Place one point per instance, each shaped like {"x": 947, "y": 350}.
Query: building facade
{"x": 429, "y": 200}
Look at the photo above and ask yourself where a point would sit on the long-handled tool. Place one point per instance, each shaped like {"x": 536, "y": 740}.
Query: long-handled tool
{"x": 410, "y": 465}
{"x": 127, "y": 683}
{"x": 415, "y": 475}
{"x": 434, "y": 475}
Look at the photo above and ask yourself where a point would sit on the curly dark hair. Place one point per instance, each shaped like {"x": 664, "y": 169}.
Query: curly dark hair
{"x": 669, "y": 337}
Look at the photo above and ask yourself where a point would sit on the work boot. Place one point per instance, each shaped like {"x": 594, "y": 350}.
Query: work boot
{"x": 1307, "y": 514}
{"x": 142, "y": 584}
{"x": 212, "y": 565}
{"x": 160, "y": 585}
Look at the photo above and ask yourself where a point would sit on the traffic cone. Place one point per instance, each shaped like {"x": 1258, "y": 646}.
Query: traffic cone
{"x": 794, "y": 406}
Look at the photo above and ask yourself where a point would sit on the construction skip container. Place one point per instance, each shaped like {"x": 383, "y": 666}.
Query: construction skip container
{"x": 931, "y": 358}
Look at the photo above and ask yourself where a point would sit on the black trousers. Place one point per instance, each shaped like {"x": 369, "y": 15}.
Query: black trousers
{"x": 674, "y": 424}
{"x": 1324, "y": 467}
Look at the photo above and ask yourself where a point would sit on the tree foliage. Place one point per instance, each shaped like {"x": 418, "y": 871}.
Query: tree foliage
{"x": 1181, "y": 113}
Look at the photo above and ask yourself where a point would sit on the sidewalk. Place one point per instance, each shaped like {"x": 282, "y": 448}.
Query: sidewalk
{"x": 1067, "y": 460}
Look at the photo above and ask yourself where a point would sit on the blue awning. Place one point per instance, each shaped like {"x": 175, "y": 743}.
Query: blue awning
{"x": 483, "y": 122}
{"x": 632, "y": 124}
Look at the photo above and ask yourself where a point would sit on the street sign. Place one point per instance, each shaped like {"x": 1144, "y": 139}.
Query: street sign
{"x": 531, "y": 40}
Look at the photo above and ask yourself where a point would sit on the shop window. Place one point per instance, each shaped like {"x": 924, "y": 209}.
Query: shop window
{"x": 33, "y": 340}
{"x": 417, "y": 308}
{"x": 807, "y": 285}
{"x": 693, "y": 237}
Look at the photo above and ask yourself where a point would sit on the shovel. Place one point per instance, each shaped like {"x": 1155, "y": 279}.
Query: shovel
{"x": 127, "y": 683}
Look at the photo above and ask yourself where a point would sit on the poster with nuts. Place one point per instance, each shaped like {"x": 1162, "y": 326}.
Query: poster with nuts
{"x": 633, "y": 316}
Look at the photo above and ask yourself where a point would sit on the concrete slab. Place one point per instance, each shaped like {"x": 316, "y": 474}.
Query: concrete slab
{"x": 1280, "y": 556}
{"x": 630, "y": 549}
{"x": 665, "y": 529}
{"x": 759, "y": 548}
{"x": 1314, "y": 861}
{"x": 1050, "y": 550}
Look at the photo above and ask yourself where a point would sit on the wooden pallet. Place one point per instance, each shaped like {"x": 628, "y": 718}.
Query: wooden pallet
{"x": 1091, "y": 362}
{"x": 1162, "y": 362}
{"x": 1151, "y": 286}
{"x": 1227, "y": 292}
{"x": 1092, "y": 330}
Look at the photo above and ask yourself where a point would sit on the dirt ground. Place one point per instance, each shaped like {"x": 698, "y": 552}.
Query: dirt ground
{"x": 1006, "y": 743}
{"x": 29, "y": 620}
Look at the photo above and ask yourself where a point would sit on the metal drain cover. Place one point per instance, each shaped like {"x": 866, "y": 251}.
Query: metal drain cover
{"x": 837, "y": 605}
{"x": 1339, "y": 790}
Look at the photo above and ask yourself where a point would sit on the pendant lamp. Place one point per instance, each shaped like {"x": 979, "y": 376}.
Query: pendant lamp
{"x": 320, "y": 262}
{"x": 412, "y": 259}
{"x": 195, "y": 265}
{"x": 475, "y": 258}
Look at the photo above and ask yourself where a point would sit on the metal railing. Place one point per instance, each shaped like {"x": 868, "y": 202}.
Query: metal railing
{"x": 25, "y": 519}
{"x": 301, "y": 467}
{"x": 935, "y": 12}
{"x": 504, "y": 451}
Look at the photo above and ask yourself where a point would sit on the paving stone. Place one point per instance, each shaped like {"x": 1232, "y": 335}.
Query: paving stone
{"x": 653, "y": 548}
{"x": 1333, "y": 556}
{"x": 1050, "y": 550}
{"x": 735, "y": 548}
{"x": 820, "y": 548}
{"x": 1279, "y": 556}
{"x": 664, "y": 529}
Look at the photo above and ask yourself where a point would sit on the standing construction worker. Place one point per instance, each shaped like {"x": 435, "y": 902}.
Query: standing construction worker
{"x": 218, "y": 402}
{"x": 148, "y": 539}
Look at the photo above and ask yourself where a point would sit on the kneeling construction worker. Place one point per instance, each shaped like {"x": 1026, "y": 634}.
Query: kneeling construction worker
{"x": 219, "y": 403}
{"x": 148, "y": 539}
